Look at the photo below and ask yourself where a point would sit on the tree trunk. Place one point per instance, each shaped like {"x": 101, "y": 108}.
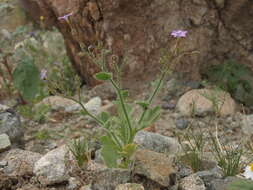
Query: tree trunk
{"x": 138, "y": 29}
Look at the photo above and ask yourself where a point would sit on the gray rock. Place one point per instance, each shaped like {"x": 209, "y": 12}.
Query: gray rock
{"x": 192, "y": 182}
{"x": 20, "y": 162}
{"x": 3, "y": 164}
{"x": 155, "y": 166}
{"x": 209, "y": 175}
{"x": 157, "y": 143}
{"x": 86, "y": 187}
{"x": 73, "y": 183}
{"x": 11, "y": 125}
{"x": 247, "y": 124}
{"x": 130, "y": 186}
{"x": 181, "y": 123}
{"x": 169, "y": 106}
{"x": 51, "y": 168}
{"x": 5, "y": 142}
{"x": 109, "y": 178}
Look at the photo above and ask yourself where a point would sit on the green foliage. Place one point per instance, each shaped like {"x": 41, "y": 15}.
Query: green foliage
{"x": 103, "y": 76}
{"x": 80, "y": 149}
{"x": 228, "y": 157}
{"x": 42, "y": 135}
{"x": 241, "y": 184}
{"x": 233, "y": 77}
{"x": 26, "y": 78}
{"x": 193, "y": 153}
{"x": 40, "y": 113}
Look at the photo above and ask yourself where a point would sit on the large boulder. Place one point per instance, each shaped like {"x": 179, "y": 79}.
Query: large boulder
{"x": 205, "y": 101}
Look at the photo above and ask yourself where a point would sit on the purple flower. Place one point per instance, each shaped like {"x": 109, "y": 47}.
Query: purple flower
{"x": 65, "y": 17}
{"x": 179, "y": 33}
{"x": 43, "y": 74}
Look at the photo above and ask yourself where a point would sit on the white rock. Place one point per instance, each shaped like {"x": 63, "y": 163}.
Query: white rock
{"x": 5, "y": 142}
{"x": 192, "y": 182}
{"x": 51, "y": 168}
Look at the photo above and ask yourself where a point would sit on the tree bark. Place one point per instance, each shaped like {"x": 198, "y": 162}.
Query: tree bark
{"x": 138, "y": 29}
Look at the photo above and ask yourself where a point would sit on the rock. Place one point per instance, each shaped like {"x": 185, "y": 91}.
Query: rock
{"x": 209, "y": 175}
{"x": 3, "y": 164}
{"x": 67, "y": 105}
{"x": 11, "y": 125}
{"x": 247, "y": 124}
{"x": 109, "y": 178}
{"x": 5, "y": 142}
{"x": 193, "y": 84}
{"x": 92, "y": 106}
{"x": 51, "y": 168}
{"x": 86, "y": 187}
{"x": 198, "y": 102}
{"x": 220, "y": 3}
{"x": 20, "y": 162}
{"x": 181, "y": 123}
{"x": 130, "y": 186}
{"x": 104, "y": 90}
{"x": 157, "y": 143}
{"x": 154, "y": 166}
{"x": 222, "y": 184}
{"x": 192, "y": 182}
{"x": 73, "y": 183}
{"x": 169, "y": 106}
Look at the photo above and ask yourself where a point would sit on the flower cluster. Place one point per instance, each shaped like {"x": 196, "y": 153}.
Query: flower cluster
{"x": 179, "y": 33}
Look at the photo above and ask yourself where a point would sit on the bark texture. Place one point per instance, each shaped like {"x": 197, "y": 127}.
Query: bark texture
{"x": 218, "y": 29}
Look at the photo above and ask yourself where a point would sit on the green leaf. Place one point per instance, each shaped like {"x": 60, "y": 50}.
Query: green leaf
{"x": 124, "y": 93}
{"x": 103, "y": 76}
{"x": 26, "y": 78}
{"x": 128, "y": 150}
{"x": 241, "y": 185}
{"x": 109, "y": 151}
{"x": 104, "y": 116}
{"x": 143, "y": 104}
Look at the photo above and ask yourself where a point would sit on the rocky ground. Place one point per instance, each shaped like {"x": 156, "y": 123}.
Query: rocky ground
{"x": 34, "y": 152}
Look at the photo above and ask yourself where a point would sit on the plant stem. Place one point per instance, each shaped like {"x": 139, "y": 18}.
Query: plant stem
{"x": 153, "y": 94}
{"x": 123, "y": 107}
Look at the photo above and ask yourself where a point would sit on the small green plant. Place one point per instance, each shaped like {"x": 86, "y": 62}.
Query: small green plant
{"x": 228, "y": 157}
{"x": 40, "y": 113}
{"x": 26, "y": 78}
{"x": 42, "y": 135}
{"x": 80, "y": 150}
{"x": 194, "y": 150}
{"x": 241, "y": 184}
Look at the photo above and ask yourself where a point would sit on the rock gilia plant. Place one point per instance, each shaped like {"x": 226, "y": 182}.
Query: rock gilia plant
{"x": 118, "y": 145}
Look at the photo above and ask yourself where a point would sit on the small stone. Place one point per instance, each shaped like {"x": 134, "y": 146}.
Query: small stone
{"x": 86, "y": 187}
{"x": 181, "y": 123}
{"x": 104, "y": 90}
{"x": 130, "y": 186}
{"x": 3, "y": 164}
{"x": 193, "y": 84}
{"x": 192, "y": 182}
{"x": 20, "y": 162}
{"x": 247, "y": 124}
{"x": 209, "y": 175}
{"x": 109, "y": 178}
{"x": 169, "y": 106}
{"x": 155, "y": 166}
{"x": 4, "y": 142}
{"x": 52, "y": 168}
{"x": 222, "y": 184}
{"x": 73, "y": 183}
{"x": 11, "y": 125}
{"x": 157, "y": 143}
{"x": 220, "y": 3}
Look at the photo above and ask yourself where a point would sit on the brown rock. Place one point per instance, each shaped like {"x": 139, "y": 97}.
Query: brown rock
{"x": 155, "y": 166}
{"x": 130, "y": 186}
{"x": 204, "y": 101}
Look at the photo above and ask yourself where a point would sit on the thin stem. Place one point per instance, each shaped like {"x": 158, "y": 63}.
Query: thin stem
{"x": 153, "y": 95}
{"x": 123, "y": 106}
